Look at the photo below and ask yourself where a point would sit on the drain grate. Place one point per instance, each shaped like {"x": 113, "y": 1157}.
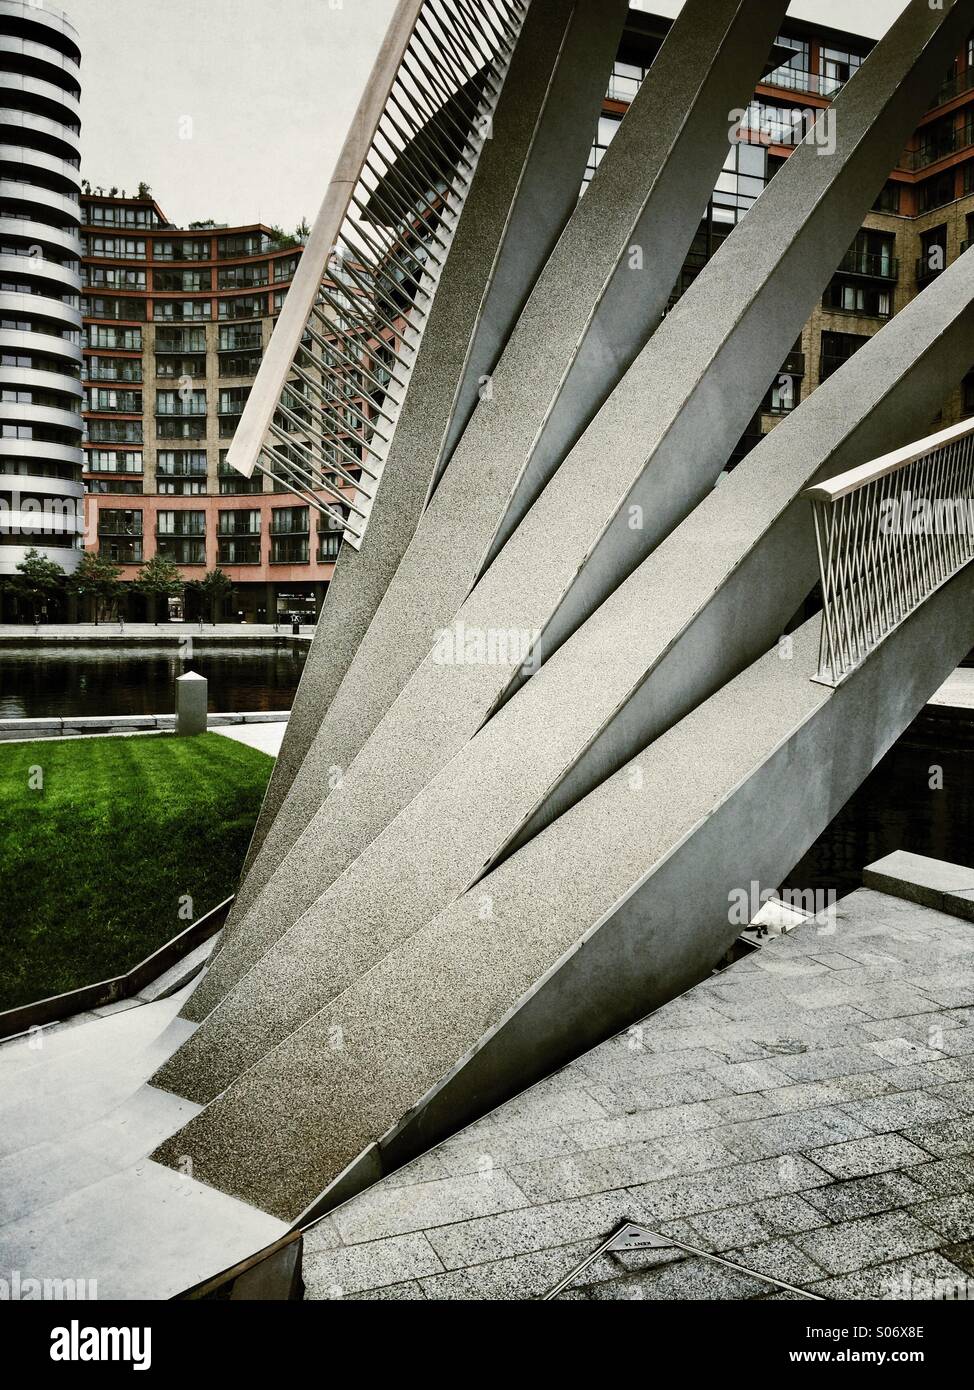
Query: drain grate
{"x": 630, "y": 1236}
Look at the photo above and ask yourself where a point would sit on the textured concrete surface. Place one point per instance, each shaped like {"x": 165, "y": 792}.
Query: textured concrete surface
{"x": 808, "y": 1113}
{"x": 78, "y": 1198}
{"x": 434, "y": 1022}
{"x": 683, "y": 390}
{"x": 753, "y": 563}
{"x": 587, "y": 316}
{"x": 524, "y": 190}
{"x": 742, "y": 562}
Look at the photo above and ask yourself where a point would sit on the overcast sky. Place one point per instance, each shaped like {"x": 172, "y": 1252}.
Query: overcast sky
{"x": 268, "y": 86}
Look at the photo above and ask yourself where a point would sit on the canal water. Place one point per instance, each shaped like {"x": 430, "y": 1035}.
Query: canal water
{"x": 45, "y": 682}
{"x": 919, "y": 798}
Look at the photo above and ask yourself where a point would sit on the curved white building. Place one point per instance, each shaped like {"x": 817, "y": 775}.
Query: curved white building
{"x": 41, "y": 492}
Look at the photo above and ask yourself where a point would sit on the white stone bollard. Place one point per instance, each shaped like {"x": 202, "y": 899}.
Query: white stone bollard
{"x": 190, "y": 704}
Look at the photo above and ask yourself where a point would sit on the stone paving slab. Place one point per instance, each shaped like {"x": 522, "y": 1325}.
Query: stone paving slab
{"x": 504, "y": 1209}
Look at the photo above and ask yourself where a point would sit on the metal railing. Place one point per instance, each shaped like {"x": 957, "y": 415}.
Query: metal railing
{"x": 890, "y": 533}
{"x": 362, "y": 292}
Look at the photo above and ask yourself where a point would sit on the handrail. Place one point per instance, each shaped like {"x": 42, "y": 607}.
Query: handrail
{"x": 359, "y": 301}
{"x": 889, "y": 533}
{"x": 57, "y": 1007}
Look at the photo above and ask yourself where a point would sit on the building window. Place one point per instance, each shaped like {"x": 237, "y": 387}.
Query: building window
{"x": 105, "y": 307}
{"x": 741, "y": 182}
{"x": 181, "y": 472}
{"x": 850, "y": 297}
{"x": 234, "y": 484}
{"x": 935, "y": 192}
{"x": 182, "y": 281}
{"x": 125, "y": 402}
{"x": 243, "y": 306}
{"x": 119, "y": 339}
{"x": 933, "y": 254}
{"x": 187, "y": 250}
{"x": 119, "y": 486}
{"x": 181, "y": 310}
{"x": 837, "y": 348}
{"x": 180, "y": 340}
{"x": 113, "y": 369}
{"x": 114, "y": 248}
{"x": 114, "y": 461}
{"x": 837, "y": 66}
{"x": 115, "y": 431}
{"x": 181, "y": 523}
{"x": 172, "y": 368}
{"x": 289, "y": 535}
{"x": 242, "y": 277}
{"x": 180, "y": 402}
{"x": 889, "y": 198}
{"x": 182, "y": 552}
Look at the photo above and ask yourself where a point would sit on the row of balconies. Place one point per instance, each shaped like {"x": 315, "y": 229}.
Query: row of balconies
{"x": 125, "y": 551}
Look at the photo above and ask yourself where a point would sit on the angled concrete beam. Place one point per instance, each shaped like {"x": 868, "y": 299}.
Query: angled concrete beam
{"x": 523, "y": 192}
{"x": 475, "y": 1007}
{"x": 588, "y": 315}
{"x": 691, "y": 390}
{"x": 714, "y": 595}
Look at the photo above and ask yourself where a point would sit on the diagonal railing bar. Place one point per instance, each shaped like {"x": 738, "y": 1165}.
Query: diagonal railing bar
{"x": 322, "y": 413}
{"x": 890, "y": 533}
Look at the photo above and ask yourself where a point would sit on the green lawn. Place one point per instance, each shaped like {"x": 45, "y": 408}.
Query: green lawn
{"x": 110, "y": 846}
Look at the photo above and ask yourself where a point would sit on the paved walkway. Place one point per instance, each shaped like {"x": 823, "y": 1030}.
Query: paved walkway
{"x": 957, "y": 690}
{"x": 78, "y": 1197}
{"x": 809, "y": 1113}
{"x": 265, "y": 737}
{"x": 148, "y": 632}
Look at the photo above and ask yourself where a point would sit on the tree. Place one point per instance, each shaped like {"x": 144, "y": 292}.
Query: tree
{"x": 144, "y": 191}
{"x": 39, "y": 579}
{"x": 98, "y": 579}
{"x": 212, "y": 589}
{"x": 159, "y": 579}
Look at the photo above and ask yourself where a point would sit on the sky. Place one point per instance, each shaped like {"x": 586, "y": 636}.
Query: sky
{"x": 236, "y": 109}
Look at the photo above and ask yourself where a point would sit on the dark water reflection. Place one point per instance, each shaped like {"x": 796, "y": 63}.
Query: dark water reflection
{"x": 896, "y": 808}
{"x": 44, "y": 682}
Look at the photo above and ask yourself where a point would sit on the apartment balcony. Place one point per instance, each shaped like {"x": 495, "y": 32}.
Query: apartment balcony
{"x": 239, "y": 523}
{"x": 185, "y": 527}
{"x": 869, "y": 264}
{"x": 329, "y": 544}
{"x": 801, "y": 80}
{"x": 954, "y": 87}
{"x": 941, "y": 148}
{"x": 120, "y": 551}
{"x": 106, "y": 374}
{"x": 110, "y": 525}
{"x": 182, "y": 551}
{"x": 289, "y": 550}
{"x": 925, "y": 272}
{"x": 238, "y": 550}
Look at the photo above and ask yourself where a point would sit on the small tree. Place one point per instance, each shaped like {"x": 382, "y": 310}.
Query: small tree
{"x": 159, "y": 579}
{"x": 212, "y": 589}
{"x": 39, "y": 579}
{"x": 144, "y": 191}
{"x": 98, "y": 579}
